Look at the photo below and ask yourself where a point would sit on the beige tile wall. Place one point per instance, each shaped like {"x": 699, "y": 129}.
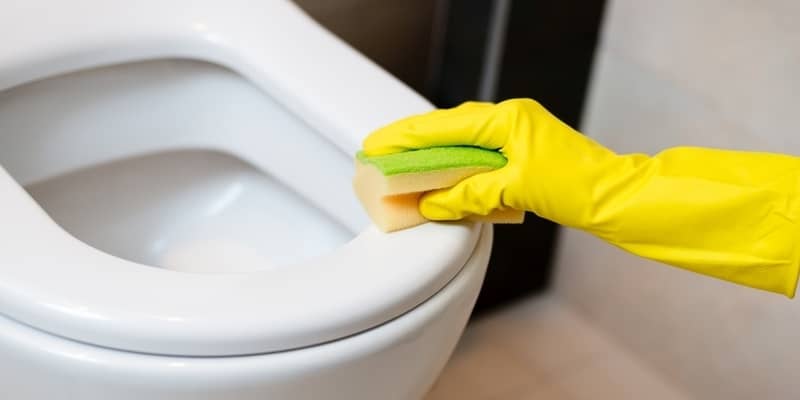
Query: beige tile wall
{"x": 721, "y": 73}
{"x": 540, "y": 349}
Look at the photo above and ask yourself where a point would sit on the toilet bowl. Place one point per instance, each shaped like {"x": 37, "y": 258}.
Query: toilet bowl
{"x": 177, "y": 220}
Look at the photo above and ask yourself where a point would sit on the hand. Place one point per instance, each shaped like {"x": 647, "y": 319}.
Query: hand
{"x": 551, "y": 168}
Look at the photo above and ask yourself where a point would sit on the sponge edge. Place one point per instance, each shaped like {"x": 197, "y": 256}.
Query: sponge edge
{"x": 392, "y": 200}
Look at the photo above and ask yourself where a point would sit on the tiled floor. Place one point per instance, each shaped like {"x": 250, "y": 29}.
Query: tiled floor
{"x": 541, "y": 349}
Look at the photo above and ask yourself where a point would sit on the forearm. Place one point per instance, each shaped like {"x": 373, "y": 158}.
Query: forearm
{"x": 731, "y": 215}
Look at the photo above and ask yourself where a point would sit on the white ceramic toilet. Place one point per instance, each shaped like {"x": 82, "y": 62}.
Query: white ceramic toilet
{"x": 176, "y": 214}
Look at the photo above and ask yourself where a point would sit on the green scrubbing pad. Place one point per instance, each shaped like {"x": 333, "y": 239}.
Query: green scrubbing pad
{"x": 434, "y": 158}
{"x": 390, "y": 186}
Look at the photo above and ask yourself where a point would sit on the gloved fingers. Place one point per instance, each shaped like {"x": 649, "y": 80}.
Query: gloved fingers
{"x": 468, "y": 124}
{"x": 477, "y": 195}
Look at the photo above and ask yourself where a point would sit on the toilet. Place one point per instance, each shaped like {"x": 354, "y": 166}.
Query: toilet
{"x": 177, "y": 220}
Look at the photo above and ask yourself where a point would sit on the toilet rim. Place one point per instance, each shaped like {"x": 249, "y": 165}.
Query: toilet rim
{"x": 58, "y": 284}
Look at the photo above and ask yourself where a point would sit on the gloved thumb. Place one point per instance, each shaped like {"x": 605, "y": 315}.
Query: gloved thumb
{"x": 477, "y": 195}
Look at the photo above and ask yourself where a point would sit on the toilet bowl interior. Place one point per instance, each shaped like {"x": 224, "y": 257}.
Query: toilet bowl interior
{"x": 194, "y": 211}
{"x": 177, "y": 164}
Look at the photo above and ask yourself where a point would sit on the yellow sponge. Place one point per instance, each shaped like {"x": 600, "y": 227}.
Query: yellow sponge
{"x": 389, "y": 186}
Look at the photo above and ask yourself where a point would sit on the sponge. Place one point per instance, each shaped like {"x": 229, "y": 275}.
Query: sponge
{"x": 389, "y": 186}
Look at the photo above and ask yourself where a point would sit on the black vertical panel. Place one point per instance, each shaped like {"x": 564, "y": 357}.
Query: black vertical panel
{"x": 547, "y": 55}
{"x": 459, "y": 74}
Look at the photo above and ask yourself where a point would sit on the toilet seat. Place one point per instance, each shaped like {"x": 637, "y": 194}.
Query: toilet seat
{"x": 56, "y": 283}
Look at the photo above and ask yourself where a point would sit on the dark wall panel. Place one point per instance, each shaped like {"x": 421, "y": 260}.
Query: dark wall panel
{"x": 395, "y": 34}
{"x": 547, "y": 55}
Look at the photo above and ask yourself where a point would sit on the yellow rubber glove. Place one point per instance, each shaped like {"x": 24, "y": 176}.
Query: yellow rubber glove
{"x": 728, "y": 214}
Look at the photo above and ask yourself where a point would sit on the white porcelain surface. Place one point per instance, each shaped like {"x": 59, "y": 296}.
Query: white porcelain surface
{"x": 51, "y": 127}
{"x": 397, "y": 360}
